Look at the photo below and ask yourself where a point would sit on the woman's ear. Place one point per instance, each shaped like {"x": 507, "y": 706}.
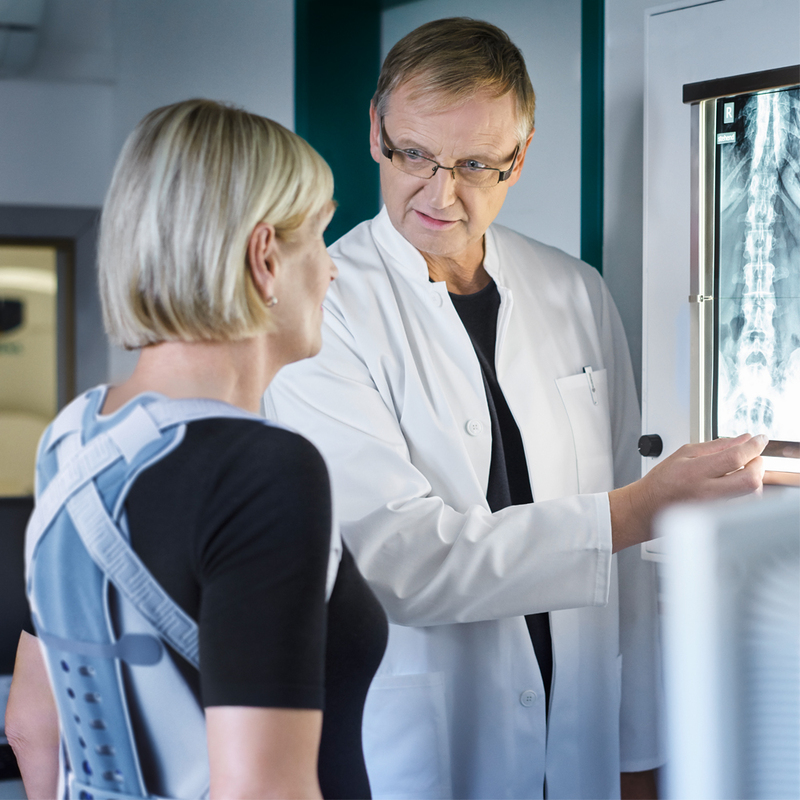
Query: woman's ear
{"x": 261, "y": 259}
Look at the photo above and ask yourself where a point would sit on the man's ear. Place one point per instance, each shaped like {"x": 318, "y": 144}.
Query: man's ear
{"x": 261, "y": 259}
{"x": 374, "y": 134}
{"x": 514, "y": 177}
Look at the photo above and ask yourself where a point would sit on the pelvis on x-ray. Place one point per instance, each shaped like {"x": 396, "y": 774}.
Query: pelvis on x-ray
{"x": 758, "y": 358}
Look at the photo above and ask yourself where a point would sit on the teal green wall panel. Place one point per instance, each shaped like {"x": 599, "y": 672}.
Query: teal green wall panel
{"x": 592, "y": 121}
{"x": 337, "y": 60}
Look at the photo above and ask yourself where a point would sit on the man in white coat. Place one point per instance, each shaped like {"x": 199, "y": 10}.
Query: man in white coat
{"x": 475, "y": 403}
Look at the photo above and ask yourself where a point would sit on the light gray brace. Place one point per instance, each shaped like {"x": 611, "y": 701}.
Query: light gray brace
{"x": 74, "y": 487}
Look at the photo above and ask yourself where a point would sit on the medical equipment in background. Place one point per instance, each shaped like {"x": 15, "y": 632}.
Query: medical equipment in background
{"x": 20, "y": 33}
{"x": 732, "y": 648}
{"x": 687, "y": 43}
{"x": 14, "y": 612}
{"x": 36, "y": 355}
{"x": 29, "y": 387}
{"x": 745, "y": 260}
{"x": 737, "y": 328}
{"x": 721, "y": 562}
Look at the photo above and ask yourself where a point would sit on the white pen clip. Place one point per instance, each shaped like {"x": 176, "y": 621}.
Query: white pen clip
{"x": 588, "y": 371}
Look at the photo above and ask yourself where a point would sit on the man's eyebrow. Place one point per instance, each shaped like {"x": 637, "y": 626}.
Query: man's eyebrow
{"x": 409, "y": 144}
{"x": 475, "y": 155}
{"x": 406, "y": 141}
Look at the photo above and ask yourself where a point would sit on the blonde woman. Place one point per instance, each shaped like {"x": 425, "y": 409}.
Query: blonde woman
{"x": 183, "y": 577}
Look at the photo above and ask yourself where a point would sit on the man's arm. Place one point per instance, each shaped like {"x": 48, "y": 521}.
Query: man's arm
{"x": 431, "y": 563}
{"x": 704, "y": 471}
{"x": 32, "y": 721}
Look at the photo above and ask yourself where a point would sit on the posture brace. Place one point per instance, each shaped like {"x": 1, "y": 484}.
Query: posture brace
{"x": 102, "y": 618}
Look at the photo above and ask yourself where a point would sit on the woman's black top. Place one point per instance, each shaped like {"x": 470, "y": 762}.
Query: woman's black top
{"x": 235, "y": 525}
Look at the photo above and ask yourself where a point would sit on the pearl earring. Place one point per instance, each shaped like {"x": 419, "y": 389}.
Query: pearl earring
{"x": 272, "y": 301}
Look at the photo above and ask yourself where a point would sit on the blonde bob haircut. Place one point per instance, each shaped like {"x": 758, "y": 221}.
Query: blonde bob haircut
{"x": 192, "y": 182}
{"x": 451, "y": 60}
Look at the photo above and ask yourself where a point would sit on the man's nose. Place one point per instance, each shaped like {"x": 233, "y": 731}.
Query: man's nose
{"x": 442, "y": 188}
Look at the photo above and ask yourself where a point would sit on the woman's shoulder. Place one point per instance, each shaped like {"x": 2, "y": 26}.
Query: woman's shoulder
{"x": 222, "y": 464}
{"x": 236, "y": 486}
{"x": 235, "y": 442}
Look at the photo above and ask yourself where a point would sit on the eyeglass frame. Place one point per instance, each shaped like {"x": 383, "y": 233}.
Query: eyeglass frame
{"x": 502, "y": 174}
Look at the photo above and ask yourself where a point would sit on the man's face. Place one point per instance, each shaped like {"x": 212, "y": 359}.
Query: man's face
{"x": 438, "y": 216}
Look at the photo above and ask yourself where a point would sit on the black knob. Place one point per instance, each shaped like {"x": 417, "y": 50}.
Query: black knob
{"x": 650, "y": 445}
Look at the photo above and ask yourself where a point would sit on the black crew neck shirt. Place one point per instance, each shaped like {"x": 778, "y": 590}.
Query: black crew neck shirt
{"x": 235, "y": 525}
{"x": 509, "y": 482}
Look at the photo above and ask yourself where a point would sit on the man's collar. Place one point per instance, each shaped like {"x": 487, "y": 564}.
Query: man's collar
{"x": 408, "y": 259}
{"x": 491, "y": 258}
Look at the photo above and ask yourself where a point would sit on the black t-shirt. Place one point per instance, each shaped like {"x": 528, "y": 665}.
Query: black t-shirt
{"x": 509, "y": 482}
{"x": 235, "y": 525}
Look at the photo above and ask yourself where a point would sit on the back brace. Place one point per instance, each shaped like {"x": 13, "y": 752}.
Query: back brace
{"x": 114, "y": 682}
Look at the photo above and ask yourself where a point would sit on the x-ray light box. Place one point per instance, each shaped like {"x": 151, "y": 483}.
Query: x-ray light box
{"x": 745, "y": 286}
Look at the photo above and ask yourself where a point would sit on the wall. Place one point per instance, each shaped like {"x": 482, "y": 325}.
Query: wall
{"x": 545, "y": 203}
{"x": 104, "y": 63}
{"x": 623, "y": 136}
{"x": 239, "y": 51}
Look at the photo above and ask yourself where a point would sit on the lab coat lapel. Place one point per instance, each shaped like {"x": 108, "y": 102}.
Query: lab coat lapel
{"x": 527, "y": 374}
{"x": 443, "y": 357}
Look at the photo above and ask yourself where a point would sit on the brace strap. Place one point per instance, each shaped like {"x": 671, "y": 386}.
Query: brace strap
{"x": 74, "y": 487}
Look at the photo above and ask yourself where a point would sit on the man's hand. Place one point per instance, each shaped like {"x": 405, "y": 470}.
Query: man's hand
{"x": 704, "y": 471}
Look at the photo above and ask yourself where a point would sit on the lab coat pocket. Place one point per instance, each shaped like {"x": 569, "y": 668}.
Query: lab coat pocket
{"x": 585, "y": 398}
{"x": 405, "y": 737}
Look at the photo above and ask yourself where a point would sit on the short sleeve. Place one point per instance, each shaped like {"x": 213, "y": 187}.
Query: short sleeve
{"x": 262, "y": 566}
{"x": 235, "y": 524}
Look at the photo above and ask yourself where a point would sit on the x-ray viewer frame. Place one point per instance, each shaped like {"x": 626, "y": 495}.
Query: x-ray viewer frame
{"x": 734, "y": 375}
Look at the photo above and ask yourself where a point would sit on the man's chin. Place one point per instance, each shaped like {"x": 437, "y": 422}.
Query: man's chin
{"x": 436, "y": 243}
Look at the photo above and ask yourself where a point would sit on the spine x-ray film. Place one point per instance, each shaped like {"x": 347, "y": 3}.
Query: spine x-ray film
{"x": 750, "y": 282}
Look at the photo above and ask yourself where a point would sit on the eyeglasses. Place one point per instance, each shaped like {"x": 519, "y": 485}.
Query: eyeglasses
{"x": 467, "y": 173}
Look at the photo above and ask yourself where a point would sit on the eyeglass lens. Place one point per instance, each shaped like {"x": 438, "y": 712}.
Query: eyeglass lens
{"x": 422, "y": 167}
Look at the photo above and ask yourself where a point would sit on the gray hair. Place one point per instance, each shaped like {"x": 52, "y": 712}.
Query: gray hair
{"x": 454, "y": 59}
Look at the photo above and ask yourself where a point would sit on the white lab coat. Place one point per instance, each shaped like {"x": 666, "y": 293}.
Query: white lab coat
{"x": 397, "y": 405}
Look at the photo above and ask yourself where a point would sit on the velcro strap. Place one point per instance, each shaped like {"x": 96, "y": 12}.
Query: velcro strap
{"x": 138, "y": 649}
{"x": 134, "y": 433}
{"x": 112, "y": 553}
{"x": 79, "y": 789}
{"x": 69, "y": 420}
{"x": 174, "y": 412}
{"x": 100, "y": 453}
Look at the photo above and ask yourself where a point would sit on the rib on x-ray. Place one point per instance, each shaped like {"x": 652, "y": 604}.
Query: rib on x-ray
{"x": 758, "y": 359}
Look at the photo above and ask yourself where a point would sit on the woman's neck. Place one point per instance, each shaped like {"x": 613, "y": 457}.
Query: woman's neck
{"x": 234, "y": 372}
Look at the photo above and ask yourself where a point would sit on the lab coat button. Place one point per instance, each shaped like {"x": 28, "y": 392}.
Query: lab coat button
{"x": 436, "y": 298}
{"x": 527, "y": 698}
{"x": 474, "y": 427}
